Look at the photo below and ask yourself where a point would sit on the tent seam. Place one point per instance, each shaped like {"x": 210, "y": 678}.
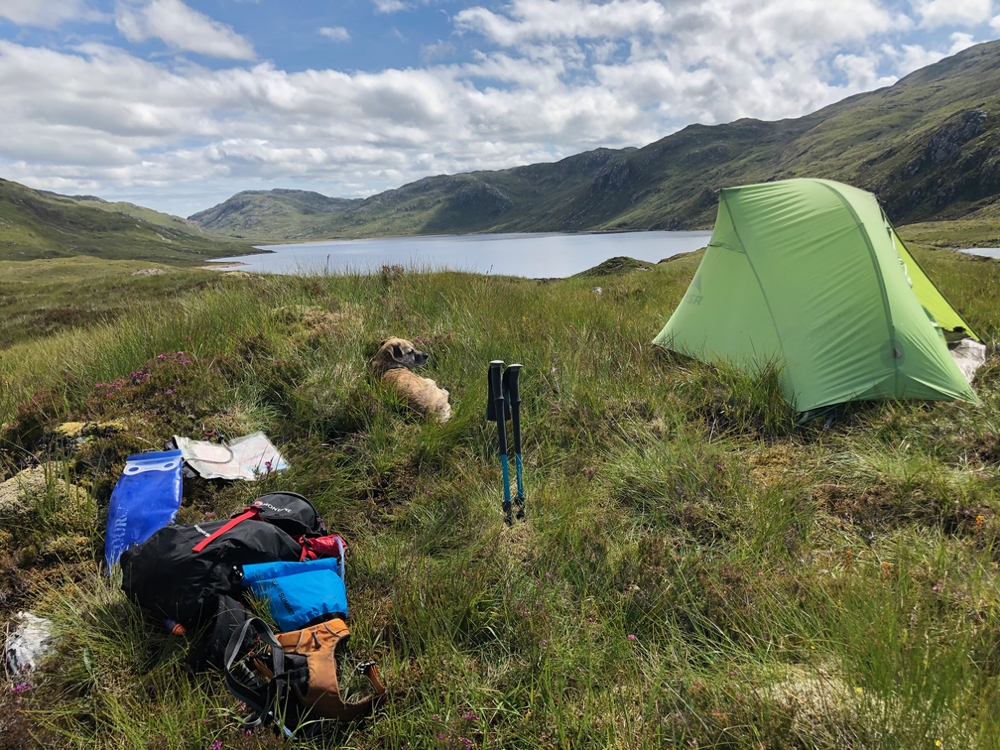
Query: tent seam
{"x": 878, "y": 276}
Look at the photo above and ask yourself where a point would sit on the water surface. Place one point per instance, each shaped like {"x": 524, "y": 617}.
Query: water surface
{"x": 530, "y": 255}
{"x": 989, "y": 252}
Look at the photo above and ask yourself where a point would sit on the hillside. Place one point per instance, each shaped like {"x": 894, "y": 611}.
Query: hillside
{"x": 928, "y": 146}
{"x": 38, "y": 224}
{"x": 284, "y": 212}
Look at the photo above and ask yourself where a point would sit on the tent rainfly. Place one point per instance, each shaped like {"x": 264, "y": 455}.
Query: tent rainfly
{"x": 810, "y": 275}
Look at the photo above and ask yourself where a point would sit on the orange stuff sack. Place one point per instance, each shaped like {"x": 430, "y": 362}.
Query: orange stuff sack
{"x": 318, "y": 644}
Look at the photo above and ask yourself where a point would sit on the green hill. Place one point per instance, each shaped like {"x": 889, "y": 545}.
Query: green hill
{"x": 284, "y": 212}
{"x": 38, "y": 224}
{"x": 928, "y": 146}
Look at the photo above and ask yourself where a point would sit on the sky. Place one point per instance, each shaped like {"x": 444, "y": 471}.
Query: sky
{"x": 178, "y": 104}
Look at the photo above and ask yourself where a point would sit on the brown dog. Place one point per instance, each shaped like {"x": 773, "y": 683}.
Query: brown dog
{"x": 393, "y": 364}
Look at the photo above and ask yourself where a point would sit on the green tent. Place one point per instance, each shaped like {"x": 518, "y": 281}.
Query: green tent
{"x": 810, "y": 274}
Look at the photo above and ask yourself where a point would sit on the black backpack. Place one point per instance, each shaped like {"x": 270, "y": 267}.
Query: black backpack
{"x": 180, "y": 571}
{"x": 291, "y": 513}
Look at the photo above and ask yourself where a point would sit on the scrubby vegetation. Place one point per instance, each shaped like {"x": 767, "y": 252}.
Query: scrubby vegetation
{"x": 696, "y": 569}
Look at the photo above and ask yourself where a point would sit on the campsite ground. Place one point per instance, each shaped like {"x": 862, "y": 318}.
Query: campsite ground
{"x": 696, "y": 570}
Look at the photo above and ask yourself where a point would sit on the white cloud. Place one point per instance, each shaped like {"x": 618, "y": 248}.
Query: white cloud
{"x": 389, "y": 6}
{"x": 763, "y": 24}
{"x": 936, "y": 13}
{"x": 544, "y": 79}
{"x": 335, "y": 33}
{"x": 960, "y": 41}
{"x": 182, "y": 28}
{"x": 48, "y": 14}
{"x": 910, "y": 57}
{"x": 862, "y": 71}
{"x": 440, "y": 50}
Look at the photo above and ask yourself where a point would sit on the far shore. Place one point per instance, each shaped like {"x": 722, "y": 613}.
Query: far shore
{"x": 221, "y": 266}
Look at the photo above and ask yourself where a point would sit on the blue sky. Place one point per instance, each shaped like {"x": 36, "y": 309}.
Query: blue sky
{"x": 177, "y": 104}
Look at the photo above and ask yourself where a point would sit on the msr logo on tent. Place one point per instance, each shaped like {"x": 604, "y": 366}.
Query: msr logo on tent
{"x": 693, "y": 299}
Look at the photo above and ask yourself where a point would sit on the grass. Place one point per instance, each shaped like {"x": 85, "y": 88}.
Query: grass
{"x": 696, "y": 570}
{"x": 41, "y": 297}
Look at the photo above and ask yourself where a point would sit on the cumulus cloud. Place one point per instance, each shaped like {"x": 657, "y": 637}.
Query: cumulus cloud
{"x": 936, "y": 13}
{"x": 49, "y": 14}
{"x": 335, "y": 33}
{"x": 766, "y": 25}
{"x": 389, "y": 6}
{"x": 182, "y": 28}
{"x": 544, "y": 79}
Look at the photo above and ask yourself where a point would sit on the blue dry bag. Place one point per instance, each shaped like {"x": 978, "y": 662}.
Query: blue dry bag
{"x": 146, "y": 498}
{"x": 299, "y": 593}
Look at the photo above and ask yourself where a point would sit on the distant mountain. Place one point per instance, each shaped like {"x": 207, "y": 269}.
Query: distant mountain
{"x": 41, "y": 224}
{"x": 928, "y": 146}
{"x": 281, "y": 212}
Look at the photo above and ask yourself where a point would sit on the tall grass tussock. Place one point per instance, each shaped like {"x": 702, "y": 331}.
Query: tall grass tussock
{"x": 697, "y": 570}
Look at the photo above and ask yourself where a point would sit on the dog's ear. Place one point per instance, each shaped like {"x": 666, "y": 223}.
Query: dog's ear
{"x": 397, "y": 353}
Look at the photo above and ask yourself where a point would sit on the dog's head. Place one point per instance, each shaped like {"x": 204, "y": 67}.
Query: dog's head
{"x": 395, "y": 354}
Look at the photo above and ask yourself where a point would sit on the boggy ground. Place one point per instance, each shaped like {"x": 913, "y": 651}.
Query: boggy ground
{"x": 696, "y": 571}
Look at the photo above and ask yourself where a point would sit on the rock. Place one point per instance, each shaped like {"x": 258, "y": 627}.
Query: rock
{"x": 29, "y": 640}
{"x": 597, "y": 290}
{"x": 948, "y": 140}
{"x": 615, "y": 177}
{"x": 148, "y": 272}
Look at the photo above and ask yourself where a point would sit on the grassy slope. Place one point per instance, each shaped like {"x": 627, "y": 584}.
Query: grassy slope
{"x": 42, "y": 297}
{"x": 35, "y": 224}
{"x": 927, "y": 146}
{"x": 958, "y": 233}
{"x": 695, "y": 570}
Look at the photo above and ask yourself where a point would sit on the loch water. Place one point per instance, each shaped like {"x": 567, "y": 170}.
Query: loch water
{"x": 529, "y": 255}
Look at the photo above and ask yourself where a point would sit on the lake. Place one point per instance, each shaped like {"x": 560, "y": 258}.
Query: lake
{"x": 988, "y": 252}
{"x": 529, "y": 255}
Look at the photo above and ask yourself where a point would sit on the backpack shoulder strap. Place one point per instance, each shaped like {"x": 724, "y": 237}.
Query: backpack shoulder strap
{"x": 262, "y": 700}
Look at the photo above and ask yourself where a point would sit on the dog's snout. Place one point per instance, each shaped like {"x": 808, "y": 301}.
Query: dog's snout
{"x": 420, "y": 357}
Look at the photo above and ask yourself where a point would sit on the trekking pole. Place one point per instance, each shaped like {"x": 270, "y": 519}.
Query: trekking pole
{"x": 513, "y": 397}
{"x": 495, "y": 410}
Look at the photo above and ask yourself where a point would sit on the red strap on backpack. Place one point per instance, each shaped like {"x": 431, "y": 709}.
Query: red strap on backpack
{"x": 322, "y": 546}
{"x": 236, "y": 520}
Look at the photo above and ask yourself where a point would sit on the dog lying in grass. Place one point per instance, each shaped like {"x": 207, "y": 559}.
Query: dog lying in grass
{"x": 394, "y": 363}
